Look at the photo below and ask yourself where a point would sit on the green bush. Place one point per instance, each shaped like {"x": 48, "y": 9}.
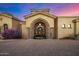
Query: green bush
{"x": 69, "y": 37}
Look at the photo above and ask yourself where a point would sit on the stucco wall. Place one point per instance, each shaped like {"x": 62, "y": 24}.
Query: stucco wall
{"x": 31, "y": 19}
{"x": 24, "y": 31}
{"x": 27, "y": 30}
{"x": 16, "y": 24}
{"x": 64, "y": 32}
{"x": 77, "y": 32}
{"x": 11, "y": 22}
{"x": 6, "y": 20}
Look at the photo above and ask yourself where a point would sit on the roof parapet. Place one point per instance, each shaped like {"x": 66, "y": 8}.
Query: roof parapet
{"x": 6, "y": 14}
{"x": 39, "y": 10}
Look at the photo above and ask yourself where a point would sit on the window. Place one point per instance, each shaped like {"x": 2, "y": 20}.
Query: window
{"x": 5, "y": 26}
{"x": 69, "y": 26}
{"x": 0, "y": 21}
{"x": 63, "y": 26}
{"x": 0, "y": 29}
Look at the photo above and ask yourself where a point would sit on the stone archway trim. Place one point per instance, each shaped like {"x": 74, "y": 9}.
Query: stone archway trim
{"x": 38, "y": 20}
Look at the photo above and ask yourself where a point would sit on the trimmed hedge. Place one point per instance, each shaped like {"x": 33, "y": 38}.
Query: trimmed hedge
{"x": 71, "y": 37}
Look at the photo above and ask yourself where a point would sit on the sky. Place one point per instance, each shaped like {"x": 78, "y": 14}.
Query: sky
{"x": 58, "y": 9}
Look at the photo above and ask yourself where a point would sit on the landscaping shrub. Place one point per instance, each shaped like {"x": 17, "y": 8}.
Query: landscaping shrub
{"x": 69, "y": 37}
{"x": 11, "y": 34}
{"x": 72, "y": 37}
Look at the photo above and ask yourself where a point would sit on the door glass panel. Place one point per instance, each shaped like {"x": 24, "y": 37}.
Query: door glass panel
{"x": 40, "y": 30}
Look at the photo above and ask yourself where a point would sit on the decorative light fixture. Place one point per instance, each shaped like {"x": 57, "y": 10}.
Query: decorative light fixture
{"x": 69, "y": 26}
{"x": 63, "y": 26}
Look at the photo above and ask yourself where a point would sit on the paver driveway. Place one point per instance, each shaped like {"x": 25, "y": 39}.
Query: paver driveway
{"x": 33, "y": 47}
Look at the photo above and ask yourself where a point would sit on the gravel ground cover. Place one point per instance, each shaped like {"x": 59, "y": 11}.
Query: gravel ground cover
{"x": 45, "y": 47}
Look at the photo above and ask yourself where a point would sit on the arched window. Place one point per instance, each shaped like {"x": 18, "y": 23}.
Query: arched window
{"x": 5, "y": 26}
{"x": 0, "y": 29}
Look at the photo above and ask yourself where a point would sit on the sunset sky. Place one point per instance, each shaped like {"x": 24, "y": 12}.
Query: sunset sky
{"x": 58, "y": 9}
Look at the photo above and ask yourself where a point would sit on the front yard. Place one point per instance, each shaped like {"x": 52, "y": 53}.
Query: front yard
{"x": 31, "y": 47}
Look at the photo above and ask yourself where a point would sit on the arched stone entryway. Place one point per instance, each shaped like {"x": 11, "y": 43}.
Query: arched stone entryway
{"x": 40, "y": 31}
{"x": 36, "y": 17}
{"x": 47, "y": 30}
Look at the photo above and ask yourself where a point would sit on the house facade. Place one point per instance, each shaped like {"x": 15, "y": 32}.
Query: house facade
{"x": 9, "y": 21}
{"x": 40, "y": 24}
